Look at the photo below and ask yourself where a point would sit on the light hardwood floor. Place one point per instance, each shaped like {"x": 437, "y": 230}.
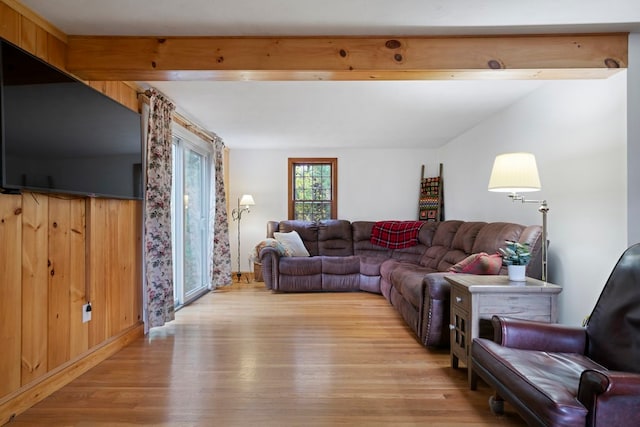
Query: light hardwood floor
{"x": 244, "y": 356}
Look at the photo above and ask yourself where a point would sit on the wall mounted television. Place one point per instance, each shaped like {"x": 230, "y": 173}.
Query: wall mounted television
{"x": 61, "y": 136}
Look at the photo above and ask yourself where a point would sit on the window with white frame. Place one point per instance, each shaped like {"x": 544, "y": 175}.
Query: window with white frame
{"x": 190, "y": 214}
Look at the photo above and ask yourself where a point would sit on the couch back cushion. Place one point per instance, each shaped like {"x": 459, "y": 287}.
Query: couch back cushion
{"x": 335, "y": 237}
{"x": 411, "y": 254}
{"x": 425, "y": 240}
{"x": 466, "y": 235}
{"x": 461, "y": 245}
{"x": 308, "y": 231}
{"x": 493, "y": 235}
{"x": 427, "y": 231}
{"x": 441, "y": 243}
{"x": 361, "y": 232}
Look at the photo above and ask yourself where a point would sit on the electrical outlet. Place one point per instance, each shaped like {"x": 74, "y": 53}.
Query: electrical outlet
{"x": 86, "y": 313}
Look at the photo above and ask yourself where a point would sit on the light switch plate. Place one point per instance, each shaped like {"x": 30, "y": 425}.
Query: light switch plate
{"x": 86, "y": 314}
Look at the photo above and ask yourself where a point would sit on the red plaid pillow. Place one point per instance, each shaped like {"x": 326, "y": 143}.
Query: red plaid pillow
{"x": 480, "y": 263}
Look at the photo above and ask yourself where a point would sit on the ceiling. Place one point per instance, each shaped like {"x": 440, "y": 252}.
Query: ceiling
{"x": 324, "y": 114}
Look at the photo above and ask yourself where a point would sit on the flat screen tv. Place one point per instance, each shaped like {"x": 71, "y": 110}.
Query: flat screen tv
{"x": 61, "y": 136}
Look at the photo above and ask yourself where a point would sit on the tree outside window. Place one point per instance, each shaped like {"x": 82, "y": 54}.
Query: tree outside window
{"x": 313, "y": 188}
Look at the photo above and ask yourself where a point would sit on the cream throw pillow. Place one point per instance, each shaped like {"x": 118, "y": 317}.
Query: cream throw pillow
{"x": 292, "y": 242}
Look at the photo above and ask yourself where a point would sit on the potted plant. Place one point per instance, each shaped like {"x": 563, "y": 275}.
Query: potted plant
{"x": 515, "y": 256}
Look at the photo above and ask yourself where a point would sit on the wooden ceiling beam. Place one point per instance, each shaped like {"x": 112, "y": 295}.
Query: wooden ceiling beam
{"x": 347, "y": 58}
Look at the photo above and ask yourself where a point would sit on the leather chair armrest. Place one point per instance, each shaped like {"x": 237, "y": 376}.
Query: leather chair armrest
{"x": 612, "y": 397}
{"x": 530, "y": 335}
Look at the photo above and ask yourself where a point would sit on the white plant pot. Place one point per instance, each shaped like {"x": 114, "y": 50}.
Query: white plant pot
{"x": 517, "y": 273}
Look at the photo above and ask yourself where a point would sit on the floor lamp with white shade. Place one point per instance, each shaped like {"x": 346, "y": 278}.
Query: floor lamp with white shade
{"x": 246, "y": 200}
{"x": 515, "y": 173}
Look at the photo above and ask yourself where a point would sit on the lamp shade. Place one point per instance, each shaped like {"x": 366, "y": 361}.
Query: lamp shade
{"x": 247, "y": 200}
{"x": 514, "y": 173}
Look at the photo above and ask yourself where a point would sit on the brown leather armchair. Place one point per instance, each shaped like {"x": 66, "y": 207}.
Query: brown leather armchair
{"x": 555, "y": 375}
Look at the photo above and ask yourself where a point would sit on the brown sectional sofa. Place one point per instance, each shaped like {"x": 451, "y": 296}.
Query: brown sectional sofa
{"x": 342, "y": 258}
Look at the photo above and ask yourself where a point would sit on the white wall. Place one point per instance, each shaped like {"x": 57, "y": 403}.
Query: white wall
{"x": 577, "y": 130}
{"x": 374, "y": 184}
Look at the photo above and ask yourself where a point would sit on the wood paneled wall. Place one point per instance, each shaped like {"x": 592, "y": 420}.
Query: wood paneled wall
{"x": 57, "y": 253}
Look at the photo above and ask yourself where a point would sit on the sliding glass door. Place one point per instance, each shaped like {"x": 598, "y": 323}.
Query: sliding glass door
{"x": 190, "y": 204}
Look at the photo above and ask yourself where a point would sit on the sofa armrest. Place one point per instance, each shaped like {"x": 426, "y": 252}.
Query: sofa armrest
{"x": 270, "y": 260}
{"x": 438, "y": 287}
{"x": 531, "y": 335}
{"x": 612, "y": 397}
{"x": 434, "y": 331}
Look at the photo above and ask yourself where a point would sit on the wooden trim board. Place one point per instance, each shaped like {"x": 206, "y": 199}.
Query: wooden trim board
{"x": 25, "y": 397}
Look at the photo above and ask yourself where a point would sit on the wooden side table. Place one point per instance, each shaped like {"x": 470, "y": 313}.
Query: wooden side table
{"x": 476, "y": 298}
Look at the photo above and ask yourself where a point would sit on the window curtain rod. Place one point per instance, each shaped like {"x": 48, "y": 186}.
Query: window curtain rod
{"x": 183, "y": 121}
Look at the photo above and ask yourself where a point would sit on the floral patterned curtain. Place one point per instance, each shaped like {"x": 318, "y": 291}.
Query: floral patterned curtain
{"x": 220, "y": 251}
{"x": 159, "y": 307}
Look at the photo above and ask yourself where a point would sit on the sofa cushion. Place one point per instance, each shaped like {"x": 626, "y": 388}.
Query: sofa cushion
{"x": 441, "y": 244}
{"x": 387, "y": 267}
{"x": 308, "y": 283}
{"x": 341, "y": 265}
{"x": 460, "y": 246}
{"x": 370, "y": 273}
{"x": 292, "y": 243}
{"x": 411, "y": 254}
{"x": 370, "y": 284}
{"x": 481, "y": 263}
{"x": 370, "y": 266}
{"x": 466, "y": 236}
{"x": 300, "y": 266}
{"x": 335, "y": 238}
{"x": 341, "y": 273}
{"x": 451, "y": 258}
{"x": 546, "y": 383}
{"x": 308, "y": 231}
{"x": 362, "y": 240}
{"x": 408, "y": 279}
{"x": 427, "y": 231}
{"x": 432, "y": 256}
{"x": 493, "y": 235}
{"x": 300, "y": 274}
